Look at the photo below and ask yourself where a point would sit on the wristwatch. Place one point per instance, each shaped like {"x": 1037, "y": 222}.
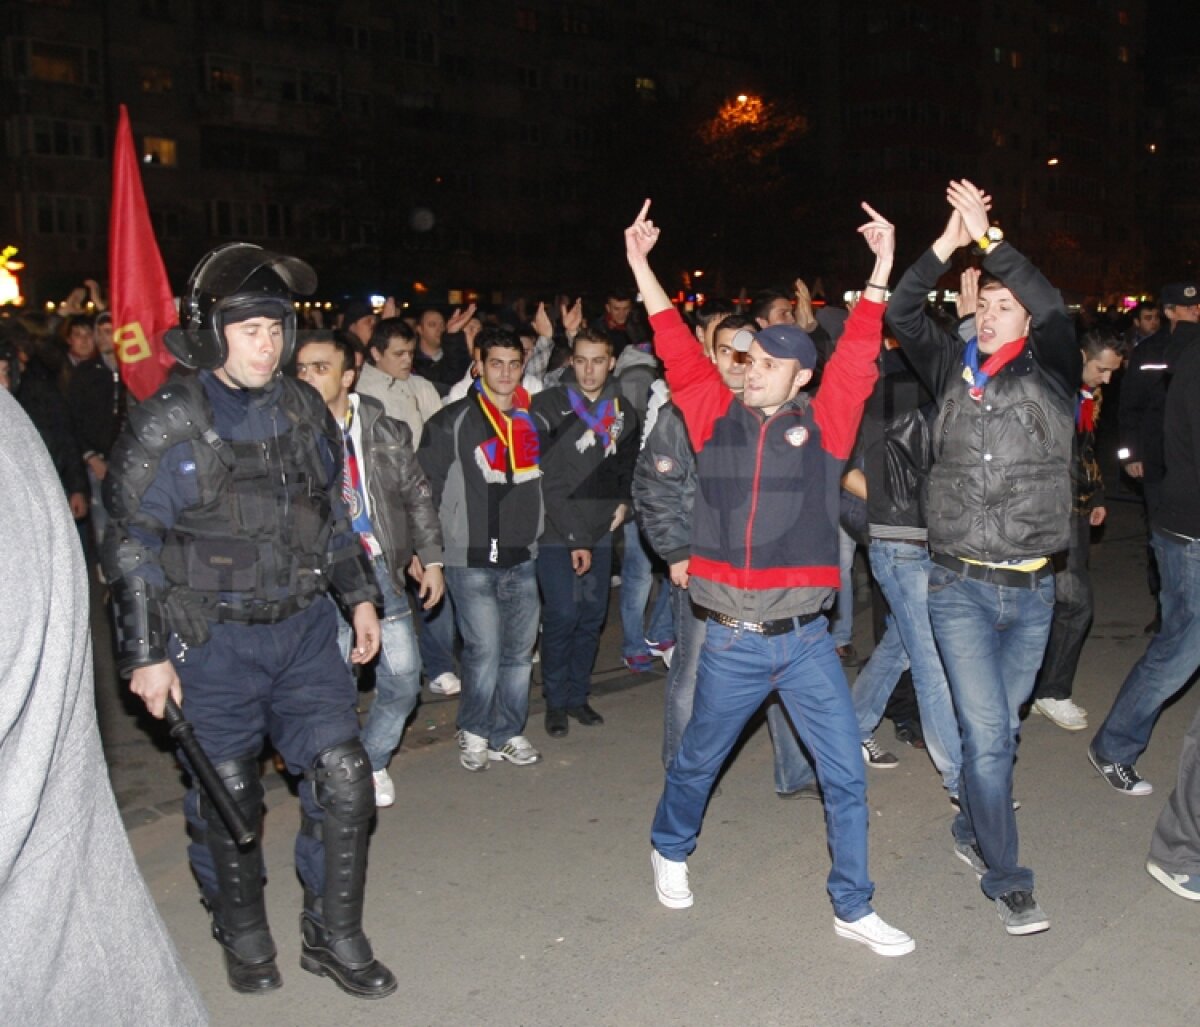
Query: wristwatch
{"x": 989, "y": 239}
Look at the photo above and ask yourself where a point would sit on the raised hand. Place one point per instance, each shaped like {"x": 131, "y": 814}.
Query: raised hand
{"x": 879, "y": 233}
{"x": 641, "y": 236}
{"x": 541, "y": 322}
{"x": 572, "y": 317}
{"x": 972, "y": 204}
{"x": 458, "y": 320}
{"x": 968, "y": 292}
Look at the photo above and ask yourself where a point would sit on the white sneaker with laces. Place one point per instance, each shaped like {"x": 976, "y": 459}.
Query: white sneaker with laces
{"x": 671, "y": 881}
{"x": 446, "y": 684}
{"x": 880, "y": 937}
{"x": 385, "y": 791}
{"x": 516, "y": 750}
{"x": 1063, "y": 712}
{"x": 473, "y": 751}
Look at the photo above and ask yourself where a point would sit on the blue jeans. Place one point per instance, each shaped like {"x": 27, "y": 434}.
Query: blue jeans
{"x": 637, "y": 577}
{"x": 436, "y": 636}
{"x": 992, "y": 638}
{"x": 1170, "y": 658}
{"x": 573, "y": 611}
{"x": 738, "y": 670}
{"x": 497, "y": 611}
{"x": 842, "y": 623}
{"x": 902, "y": 571}
{"x": 792, "y": 769}
{"x": 397, "y": 674}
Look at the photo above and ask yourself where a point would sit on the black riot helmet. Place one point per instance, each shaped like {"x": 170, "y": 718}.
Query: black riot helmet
{"x": 233, "y": 283}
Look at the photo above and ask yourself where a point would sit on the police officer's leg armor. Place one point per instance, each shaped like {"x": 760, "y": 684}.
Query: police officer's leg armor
{"x": 333, "y": 943}
{"x": 238, "y": 910}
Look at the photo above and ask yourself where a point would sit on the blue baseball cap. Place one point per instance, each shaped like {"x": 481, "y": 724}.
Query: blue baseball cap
{"x": 784, "y": 341}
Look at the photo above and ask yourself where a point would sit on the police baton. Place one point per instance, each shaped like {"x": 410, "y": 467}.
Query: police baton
{"x": 185, "y": 736}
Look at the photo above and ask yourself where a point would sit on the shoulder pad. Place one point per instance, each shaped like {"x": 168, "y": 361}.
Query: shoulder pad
{"x": 177, "y": 412}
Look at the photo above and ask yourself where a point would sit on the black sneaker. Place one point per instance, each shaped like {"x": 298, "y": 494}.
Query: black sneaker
{"x": 909, "y": 732}
{"x": 1021, "y": 914}
{"x": 1121, "y": 776}
{"x": 874, "y": 756}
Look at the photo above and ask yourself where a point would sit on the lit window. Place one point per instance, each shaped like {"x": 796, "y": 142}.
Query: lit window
{"x": 1123, "y": 54}
{"x": 155, "y": 80}
{"x": 1014, "y": 59}
{"x": 156, "y": 150}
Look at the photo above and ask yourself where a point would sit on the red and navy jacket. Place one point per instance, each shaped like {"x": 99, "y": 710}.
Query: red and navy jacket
{"x": 766, "y": 509}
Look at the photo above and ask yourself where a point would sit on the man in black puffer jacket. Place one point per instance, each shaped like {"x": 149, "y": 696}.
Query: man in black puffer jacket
{"x": 998, "y": 506}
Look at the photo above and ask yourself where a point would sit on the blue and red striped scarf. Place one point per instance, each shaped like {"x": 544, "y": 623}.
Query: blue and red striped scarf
{"x": 514, "y": 449}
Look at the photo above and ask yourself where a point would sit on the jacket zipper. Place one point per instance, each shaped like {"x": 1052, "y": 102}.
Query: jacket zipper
{"x": 762, "y": 434}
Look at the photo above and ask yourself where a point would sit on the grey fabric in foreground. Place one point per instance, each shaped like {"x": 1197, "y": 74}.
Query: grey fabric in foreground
{"x": 80, "y": 938}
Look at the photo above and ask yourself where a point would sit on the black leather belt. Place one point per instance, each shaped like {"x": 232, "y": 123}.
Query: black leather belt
{"x": 766, "y": 627}
{"x": 993, "y": 575}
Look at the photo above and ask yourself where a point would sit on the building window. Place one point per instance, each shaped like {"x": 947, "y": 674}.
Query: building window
{"x": 61, "y": 62}
{"x": 417, "y": 46}
{"x": 158, "y": 150}
{"x": 64, "y": 215}
{"x": 527, "y": 19}
{"x": 167, "y": 224}
{"x": 646, "y": 88}
{"x": 153, "y": 79}
{"x": 225, "y": 75}
{"x": 529, "y": 78}
{"x": 1014, "y": 60}
{"x": 53, "y": 138}
{"x": 1123, "y": 54}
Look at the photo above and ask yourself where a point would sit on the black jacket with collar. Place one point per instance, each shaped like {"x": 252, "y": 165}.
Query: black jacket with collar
{"x": 403, "y": 516}
{"x": 583, "y": 484}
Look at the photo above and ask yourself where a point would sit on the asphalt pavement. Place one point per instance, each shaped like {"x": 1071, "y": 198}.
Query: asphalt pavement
{"x": 523, "y": 896}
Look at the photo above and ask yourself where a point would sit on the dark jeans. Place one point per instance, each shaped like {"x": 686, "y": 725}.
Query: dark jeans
{"x": 284, "y": 681}
{"x": 1170, "y": 659}
{"x": 1072, "y": 616}
{"x": 573, "y": 611}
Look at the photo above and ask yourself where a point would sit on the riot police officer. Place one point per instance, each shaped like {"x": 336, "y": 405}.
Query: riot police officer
{"x": 228, "y": 527}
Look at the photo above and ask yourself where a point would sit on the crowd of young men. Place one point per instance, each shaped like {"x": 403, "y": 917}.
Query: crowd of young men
{"x": 458, "y": 488}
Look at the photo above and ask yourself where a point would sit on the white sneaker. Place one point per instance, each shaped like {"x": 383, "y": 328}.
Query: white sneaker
{"x": 878, "y": 936}
{"x": 446, "y": 684}
{"x": 473, "y": 751}
{"x": 385, "y": 791}
{"x": 1062, "y": 712}
{"x": 516, "y": 750}
{"x": 671, "y": 881}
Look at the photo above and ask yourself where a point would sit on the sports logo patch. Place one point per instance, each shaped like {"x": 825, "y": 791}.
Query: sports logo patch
{"x": 664, "y": 465}
{"x": 796, "y": 436}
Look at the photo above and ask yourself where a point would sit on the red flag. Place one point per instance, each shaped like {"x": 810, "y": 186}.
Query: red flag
{"x": 143, "y": 307}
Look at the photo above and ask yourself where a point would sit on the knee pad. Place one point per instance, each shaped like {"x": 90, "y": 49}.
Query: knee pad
{"x": 342, "y": 783}
{"x": 243, "y": 780}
